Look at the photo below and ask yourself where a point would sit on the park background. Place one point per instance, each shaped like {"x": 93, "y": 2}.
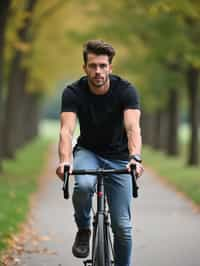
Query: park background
{"x": 157, "y": 44}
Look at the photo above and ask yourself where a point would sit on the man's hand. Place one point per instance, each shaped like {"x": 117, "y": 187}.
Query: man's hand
{"x": 139, "y": 168}
{"x": 60, "y": 170}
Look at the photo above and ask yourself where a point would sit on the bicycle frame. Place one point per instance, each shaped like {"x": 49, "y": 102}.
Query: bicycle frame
{"x": 100, "y": 193}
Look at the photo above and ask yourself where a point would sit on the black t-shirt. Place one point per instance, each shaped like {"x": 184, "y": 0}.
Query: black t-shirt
{"x": 101, "y": 116}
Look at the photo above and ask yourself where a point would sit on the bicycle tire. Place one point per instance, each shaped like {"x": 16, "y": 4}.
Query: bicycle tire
{"x": 109, "y": 256}
{"x": 94, "y": 244}
{"x": 99, "y": 242}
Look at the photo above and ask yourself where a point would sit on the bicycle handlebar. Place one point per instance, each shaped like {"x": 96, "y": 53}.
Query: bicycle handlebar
{"x": 99, "y": 171}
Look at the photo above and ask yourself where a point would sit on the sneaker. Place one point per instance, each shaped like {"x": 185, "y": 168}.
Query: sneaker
{"x": 80, "y": 248}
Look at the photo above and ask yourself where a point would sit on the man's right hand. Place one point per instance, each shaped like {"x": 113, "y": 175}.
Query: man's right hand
{"x": 60, "y": 170}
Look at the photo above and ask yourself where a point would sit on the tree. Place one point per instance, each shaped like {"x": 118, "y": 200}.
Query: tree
{"x": 16, "y": 89}
{"x": 4, "y": 13}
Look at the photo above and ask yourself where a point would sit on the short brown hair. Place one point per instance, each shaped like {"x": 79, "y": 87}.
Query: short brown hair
{"x": 98, "y": 47}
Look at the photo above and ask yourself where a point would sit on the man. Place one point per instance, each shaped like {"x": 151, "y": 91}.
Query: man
{"x": 108, "y": 111}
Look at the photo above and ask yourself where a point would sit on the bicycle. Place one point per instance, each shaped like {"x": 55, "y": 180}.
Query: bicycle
{"x": 102, "y": 249}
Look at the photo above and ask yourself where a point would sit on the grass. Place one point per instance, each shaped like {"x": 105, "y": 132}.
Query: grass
{"x": 175, "y": 170}
{"x": 17, "y": 182}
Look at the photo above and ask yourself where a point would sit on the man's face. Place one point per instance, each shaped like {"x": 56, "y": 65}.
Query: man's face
{"x": 97, "y": 69}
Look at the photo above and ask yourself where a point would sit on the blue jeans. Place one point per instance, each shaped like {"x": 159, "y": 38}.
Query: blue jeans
{"x": 119, "y": 194}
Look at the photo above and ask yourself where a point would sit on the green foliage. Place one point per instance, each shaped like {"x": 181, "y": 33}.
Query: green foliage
{"x": 155, "y": 41}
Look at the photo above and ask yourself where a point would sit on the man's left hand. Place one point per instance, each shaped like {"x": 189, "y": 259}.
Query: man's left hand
{"x": 139, "y": 169}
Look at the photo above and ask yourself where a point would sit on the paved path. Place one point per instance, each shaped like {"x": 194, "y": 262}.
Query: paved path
{"x": 166, "y": 228}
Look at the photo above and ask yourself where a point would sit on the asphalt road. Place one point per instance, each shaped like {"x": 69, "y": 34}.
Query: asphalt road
{"x": 166, "y": 227}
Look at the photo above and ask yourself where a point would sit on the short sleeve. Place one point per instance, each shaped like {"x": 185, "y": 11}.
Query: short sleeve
{"x": 69, "y": 101}
{"x": 130, "y": 98}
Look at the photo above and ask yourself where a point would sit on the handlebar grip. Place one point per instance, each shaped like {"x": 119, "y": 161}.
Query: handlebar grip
{"x": 66, "y": 182}
{"x": 134, "y": 183}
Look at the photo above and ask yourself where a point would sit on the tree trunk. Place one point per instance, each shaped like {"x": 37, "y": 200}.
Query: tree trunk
{"x": 144, "y": 126}
{"x": 14, "y": 108}
{"x": 4, "y": 13}
{"x": 157, "y": 130}
{"x": 159, "y": 140}
{"x": 32, "y": 116}
{"x": 192, "y": 83}
{"x": 163, "y": 130}
{"x": 14, "y": 124}
{"x": 173, "y": 123}
{"x": 147, "y": 127}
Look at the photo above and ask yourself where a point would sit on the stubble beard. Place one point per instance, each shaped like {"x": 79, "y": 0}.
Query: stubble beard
{"x": 101, "y": 84}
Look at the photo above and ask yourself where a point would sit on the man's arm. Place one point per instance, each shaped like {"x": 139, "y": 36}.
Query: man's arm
{"x": 132, "y": 126}
{"x": 67, "y": 127}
